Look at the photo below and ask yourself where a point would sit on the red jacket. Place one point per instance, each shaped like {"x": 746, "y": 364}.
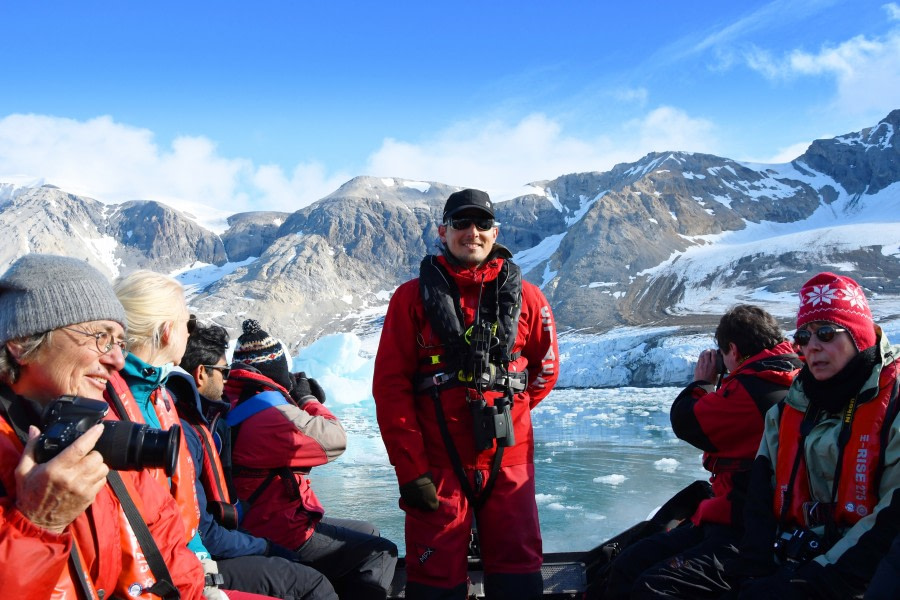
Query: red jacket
{"x": 279, "y": 437}
{"x": 727, "y": 424}
{"x": 34, "y": 562}
{"x": 407, "y": 419}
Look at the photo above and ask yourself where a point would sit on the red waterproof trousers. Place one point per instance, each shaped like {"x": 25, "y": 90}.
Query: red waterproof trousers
{"x": 508, "y": 529}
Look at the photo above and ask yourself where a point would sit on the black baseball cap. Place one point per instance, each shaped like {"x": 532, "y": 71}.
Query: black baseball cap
{"x": 466, "y": 199}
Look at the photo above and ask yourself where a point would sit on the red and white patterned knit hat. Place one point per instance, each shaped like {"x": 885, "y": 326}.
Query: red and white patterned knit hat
{"x": 839, "y": 300}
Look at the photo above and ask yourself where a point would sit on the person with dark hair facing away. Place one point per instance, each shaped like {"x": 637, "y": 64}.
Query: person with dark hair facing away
{"x": 823, "y": 504}
{"x": 197, "y": 387}
{"x": 467, "y": 350}
{"x": 726, "y": 422}
{"x": 280, "y": 430}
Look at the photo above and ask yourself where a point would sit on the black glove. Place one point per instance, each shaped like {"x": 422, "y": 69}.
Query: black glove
{"x": 420, "y": 493}
{"x": 317, "y": 390}
{"x": 273, "y": 549}
{"x": 783, "y": 585}
{"x": 301, "y": 390}
{"x": 827, "y": 582}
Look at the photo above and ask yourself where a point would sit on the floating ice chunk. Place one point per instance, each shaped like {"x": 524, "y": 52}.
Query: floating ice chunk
{"x": 614, "y": 479}
{"x": 669, "y": 465}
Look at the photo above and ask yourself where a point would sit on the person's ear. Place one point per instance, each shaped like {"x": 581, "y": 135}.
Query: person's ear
{"x": 200, "y": 375}
{"x": 15, "y": 350}
{"x": 442, "y": 232}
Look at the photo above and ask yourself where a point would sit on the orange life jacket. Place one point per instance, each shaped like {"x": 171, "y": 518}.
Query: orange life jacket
{"x": 182, "y": 482}
{"x": 861, "y": 464}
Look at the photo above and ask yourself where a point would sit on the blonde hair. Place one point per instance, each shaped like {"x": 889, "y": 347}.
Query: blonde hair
{"x": 151, "y": 300}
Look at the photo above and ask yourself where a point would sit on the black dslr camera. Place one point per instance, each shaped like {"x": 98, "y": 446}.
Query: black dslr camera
{"x": 124, "y": 446}
{"x": 492, "y": 423}
{"x": 798, "y": 546}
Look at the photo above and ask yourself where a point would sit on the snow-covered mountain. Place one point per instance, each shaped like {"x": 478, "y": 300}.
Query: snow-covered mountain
{"x": 668, "y": 241}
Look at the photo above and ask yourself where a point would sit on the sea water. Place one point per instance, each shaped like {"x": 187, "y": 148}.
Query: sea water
{"x": 605, "y": 459}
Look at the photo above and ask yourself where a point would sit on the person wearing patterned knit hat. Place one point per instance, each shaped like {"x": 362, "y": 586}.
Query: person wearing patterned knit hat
{"x": 280, "y": 430}
{"x": 823, "y": 504}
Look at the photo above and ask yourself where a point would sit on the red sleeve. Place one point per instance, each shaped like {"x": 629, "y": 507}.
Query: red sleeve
{"x": 392, "y": 385}
{"x": 32, "y": 559}
{"x": 540, "y": 347}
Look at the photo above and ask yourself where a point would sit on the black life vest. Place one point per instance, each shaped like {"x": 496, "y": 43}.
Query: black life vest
{"x": 465, "y": 349}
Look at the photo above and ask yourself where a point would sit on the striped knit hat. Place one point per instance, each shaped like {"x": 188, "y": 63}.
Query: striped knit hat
{"x": 839, "y": 300}
{"x": 258, "y": 349}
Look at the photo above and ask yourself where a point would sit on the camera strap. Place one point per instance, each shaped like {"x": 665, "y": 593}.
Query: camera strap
{"x": 164, "y": 588}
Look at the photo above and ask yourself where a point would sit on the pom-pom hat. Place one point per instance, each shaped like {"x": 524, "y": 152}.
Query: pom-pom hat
{"x": 839, "y": 300}
{"x": 261, "y": 351}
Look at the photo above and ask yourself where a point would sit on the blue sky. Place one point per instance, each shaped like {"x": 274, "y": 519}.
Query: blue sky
{"x": 272, "y": 105}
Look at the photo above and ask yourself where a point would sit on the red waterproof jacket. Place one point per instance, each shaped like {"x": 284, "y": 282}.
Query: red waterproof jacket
{"x": 407, "y": 418}
{"x": 727, "y": 424}
{"x": 282, "y": 441}
{"x": 34, "y": 562}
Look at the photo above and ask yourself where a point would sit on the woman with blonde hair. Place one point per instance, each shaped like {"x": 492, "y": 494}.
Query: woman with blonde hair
{"x": 158, "y": 328}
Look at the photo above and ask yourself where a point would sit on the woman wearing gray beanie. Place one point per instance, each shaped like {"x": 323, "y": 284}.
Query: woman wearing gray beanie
{"x": 62, "y": 528}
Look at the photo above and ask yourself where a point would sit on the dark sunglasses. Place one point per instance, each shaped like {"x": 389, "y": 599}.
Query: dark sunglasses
{"x": 226, "y": 371}
{"x": 463, "y": 223}
{"x": 191, "y": 324}
{"x": 825, "y": 333}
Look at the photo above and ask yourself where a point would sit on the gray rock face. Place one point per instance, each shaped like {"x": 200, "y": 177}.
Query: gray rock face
{"x": 164, "y": 238}
{"x": 863, "y": 163}
{"x": 611, "y": 248}
{"x": 249, "y": 234}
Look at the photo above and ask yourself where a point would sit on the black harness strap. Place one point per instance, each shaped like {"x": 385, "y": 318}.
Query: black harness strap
{"x": 476, "y": 499}
{"x": 164, "y": 588}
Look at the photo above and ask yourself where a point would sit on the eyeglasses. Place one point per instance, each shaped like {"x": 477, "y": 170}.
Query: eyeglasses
{"x": 226, "y": 371}
{"x": 191, "y": 324}
{"x": 825, "y": 333}
{"x": 463, "y": 223}
{"x": 104, "y": 340}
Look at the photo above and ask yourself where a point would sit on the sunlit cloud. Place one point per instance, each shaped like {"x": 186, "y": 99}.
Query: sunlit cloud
{"x": 893, "y": 11}
{"x": 113, "y": 162}
{"x": 502, "y": 157}
{"x": 866, "y": 70}
{"x": 784, "y": 155}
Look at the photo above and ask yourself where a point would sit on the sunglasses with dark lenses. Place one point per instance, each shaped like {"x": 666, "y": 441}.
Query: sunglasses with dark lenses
{"x": 463, "y": 223}
{"x": 191, "y": 324}
{"x": 825, "y": 333}
{"x": 226, "y": 371}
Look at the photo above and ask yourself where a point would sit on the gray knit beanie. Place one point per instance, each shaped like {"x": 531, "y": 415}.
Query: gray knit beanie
{"x": 42, "y": 292}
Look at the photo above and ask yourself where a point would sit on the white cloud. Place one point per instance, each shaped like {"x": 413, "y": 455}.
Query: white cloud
{"x": 866, "y": 70}
{"x": 500, "y": 157}
{"x": 893, "y": 11}
{"x": 113, "y": 162}
{"x": 786, "y": 154}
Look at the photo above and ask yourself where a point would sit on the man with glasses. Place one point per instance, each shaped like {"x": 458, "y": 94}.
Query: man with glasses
{"x": 246, "y": 560}
{"x": 467, "y": 350}
{"x": 754, "y": 366}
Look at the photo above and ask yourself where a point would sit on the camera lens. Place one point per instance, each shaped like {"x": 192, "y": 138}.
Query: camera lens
{"x": 130, "y": 446}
